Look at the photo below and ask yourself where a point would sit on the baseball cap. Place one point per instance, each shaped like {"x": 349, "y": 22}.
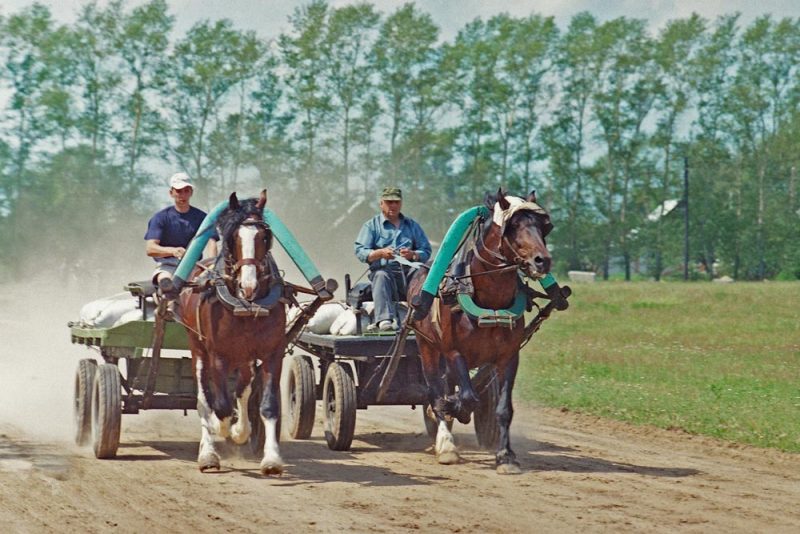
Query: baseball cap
{"x": 179, "y": 180}
{"x": 391, "y": 193}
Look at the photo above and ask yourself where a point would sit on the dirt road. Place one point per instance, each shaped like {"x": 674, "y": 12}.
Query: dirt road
{"x": 580, "y": 474}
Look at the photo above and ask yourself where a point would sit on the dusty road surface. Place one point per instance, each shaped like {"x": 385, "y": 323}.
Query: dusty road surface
{"x": 579, "y": 473}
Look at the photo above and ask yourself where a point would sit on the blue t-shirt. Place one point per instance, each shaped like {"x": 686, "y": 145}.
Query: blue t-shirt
{"x": 175, "y": 229}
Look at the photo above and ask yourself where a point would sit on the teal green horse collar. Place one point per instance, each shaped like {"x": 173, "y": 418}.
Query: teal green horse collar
{"x": 488, "y": 318}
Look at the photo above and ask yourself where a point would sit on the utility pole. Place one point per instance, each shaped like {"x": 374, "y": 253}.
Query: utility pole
{"x": 686, "y": 218}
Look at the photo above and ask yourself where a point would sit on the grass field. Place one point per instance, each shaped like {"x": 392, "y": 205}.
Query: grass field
{"x": 716, "y": 359}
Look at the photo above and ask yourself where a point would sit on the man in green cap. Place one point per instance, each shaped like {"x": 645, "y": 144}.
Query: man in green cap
{"x": 390, "y": 243}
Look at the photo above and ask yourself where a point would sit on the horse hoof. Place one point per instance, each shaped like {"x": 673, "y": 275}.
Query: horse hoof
{"x": 270, "y": 468}
{"x": 208, "y": 461}
{"x": 448, "y": 458}
{"x": 509, "y": 469}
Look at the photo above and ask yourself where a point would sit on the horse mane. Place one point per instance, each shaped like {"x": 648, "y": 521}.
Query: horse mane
{"x": 230, "y": 219}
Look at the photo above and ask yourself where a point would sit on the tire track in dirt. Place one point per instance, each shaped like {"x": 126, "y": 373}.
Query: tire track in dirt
{"x": 579, "y": 473}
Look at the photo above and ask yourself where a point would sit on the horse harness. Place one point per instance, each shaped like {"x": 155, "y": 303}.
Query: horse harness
{"x": 214, "y": 283}
{"x": 457, "y": 290}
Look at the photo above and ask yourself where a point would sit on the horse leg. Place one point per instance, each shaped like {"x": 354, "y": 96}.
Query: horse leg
{"x": 270, "y": 409}
{"x": 223, "y": 407}
{"x": 207, "y": 457}
{"x": 464, "y": 403}
{"x": 445, "y": 448}
{"x": 240, "y": 432}
{"x": 505, "y": 459}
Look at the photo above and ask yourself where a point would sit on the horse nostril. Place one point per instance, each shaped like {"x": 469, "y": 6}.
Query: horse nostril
{"x": 542, "y": 263}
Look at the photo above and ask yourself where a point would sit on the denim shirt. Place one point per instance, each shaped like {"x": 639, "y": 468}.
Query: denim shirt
{"x": 378, "y": 232}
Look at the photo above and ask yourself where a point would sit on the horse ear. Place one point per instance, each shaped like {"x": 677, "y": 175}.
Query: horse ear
{"x": 262, "y": 200}
{"x": 532, "y": 196}
{"x": 489, "y": 200}
{"x": 501, "y": 198}
{"x": 233, "y": 202}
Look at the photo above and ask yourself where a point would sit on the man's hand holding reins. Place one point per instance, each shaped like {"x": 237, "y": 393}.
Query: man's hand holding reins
{"x": 386, "y": 253}
{"x": 407, "y": 253}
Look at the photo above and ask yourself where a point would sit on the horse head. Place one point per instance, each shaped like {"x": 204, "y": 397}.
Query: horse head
{"x": 246, "y": 241}
{"x": 523, "y": 226}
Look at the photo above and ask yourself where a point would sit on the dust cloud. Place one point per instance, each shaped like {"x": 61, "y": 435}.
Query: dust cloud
{"x": 55, "y": 279}
{"x": 38, "y": 360}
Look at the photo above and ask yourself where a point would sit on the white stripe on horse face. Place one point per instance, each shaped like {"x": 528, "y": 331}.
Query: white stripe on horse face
{"x": 247, "y": 278}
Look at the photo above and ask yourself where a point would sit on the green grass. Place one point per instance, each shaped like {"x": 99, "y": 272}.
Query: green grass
{"x": 716, "y": 359}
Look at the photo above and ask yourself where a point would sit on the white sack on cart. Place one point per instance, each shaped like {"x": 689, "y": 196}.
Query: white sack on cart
{"x": 107, "y": 311}
{"x": 133, "y": 315}
{"x": 345, "y": 324}
{"x": 325, "y": 316}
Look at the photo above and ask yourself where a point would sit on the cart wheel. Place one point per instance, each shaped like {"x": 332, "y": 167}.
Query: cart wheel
{"x": 84, "y": 380}
{"x": 431, "y": 427}
{"x": 486, "y": 428}
{"x": 299, "y": 397}
{"x": 106, "y": 411}
{"x": 339, "y": 401}
{"x": 257, "y": 435}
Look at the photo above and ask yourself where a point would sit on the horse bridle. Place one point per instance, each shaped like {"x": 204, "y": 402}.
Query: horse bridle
{"x": 518, "y": 262}
{"x": 262, "y": 266}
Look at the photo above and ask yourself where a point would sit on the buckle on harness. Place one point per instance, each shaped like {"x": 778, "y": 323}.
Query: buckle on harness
{"x": 490, "y": 321}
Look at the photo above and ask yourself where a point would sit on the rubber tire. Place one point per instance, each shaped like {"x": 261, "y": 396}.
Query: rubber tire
{"x": 299, "y": 397}
{"x": 82, "y": 409}
{"x": 106, "y": 411}
{"x": 487, "y": 430}
{"x": 339, "y": 402}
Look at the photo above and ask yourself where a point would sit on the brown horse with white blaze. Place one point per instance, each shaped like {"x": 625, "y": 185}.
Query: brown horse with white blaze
{"x": 510, "y": 243}
{"x": 223, "y": 342}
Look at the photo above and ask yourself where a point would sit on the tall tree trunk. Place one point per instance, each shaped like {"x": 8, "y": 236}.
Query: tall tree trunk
{"x": 237, "y": 155}
{"x": 737, "y": 259}
{"x": 760, "y": 222}
{"x": 346, "y": 149}
{"x": 136, "y": 125}
{"x": 396, "y": 121}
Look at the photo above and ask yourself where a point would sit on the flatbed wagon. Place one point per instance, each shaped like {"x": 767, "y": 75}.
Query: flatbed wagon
{"x": 129, "y": 378}
{"x": 363, "y": 370}
{"x": 352, "y": 371}
{"x": 355, "y": 372}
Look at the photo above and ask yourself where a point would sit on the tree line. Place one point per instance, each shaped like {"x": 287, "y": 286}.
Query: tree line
{"x": 598, "y": 117}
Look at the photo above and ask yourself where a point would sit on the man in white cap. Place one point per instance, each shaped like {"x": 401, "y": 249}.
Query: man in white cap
{"x": 171, "y": 229}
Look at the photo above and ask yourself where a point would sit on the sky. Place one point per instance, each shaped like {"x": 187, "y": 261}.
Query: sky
{"x": 270, "y": 17}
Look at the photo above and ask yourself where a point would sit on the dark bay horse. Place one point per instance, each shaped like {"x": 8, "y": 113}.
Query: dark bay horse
{"x": 223, "y": 342}
{"x": 510, "y": 243}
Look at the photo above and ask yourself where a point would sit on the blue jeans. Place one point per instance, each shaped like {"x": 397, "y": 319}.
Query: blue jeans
{"x": 389, "y": 284}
